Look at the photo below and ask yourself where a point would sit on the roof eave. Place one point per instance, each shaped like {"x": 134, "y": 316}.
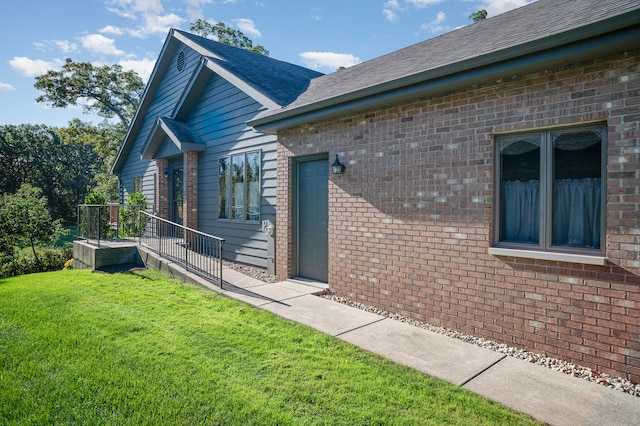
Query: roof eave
{"x": 209, "y": 61}
{"x": 147, "y": 99}
{"x": 601, "y": 37}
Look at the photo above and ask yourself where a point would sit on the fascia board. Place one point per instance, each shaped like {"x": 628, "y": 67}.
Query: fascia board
{"x": 165, "y": 56}
{"x": 190, "y": 91}
{"x": 263, "y": 100}
{"x": 529, "y": 56}
{"x": 209, "y": 62}
{"x": 151, "y": 143}
{"x": 159, "y": 130}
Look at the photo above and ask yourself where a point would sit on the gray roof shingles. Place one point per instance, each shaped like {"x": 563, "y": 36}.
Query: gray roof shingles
{"x": 518, "y": 27}
{"x": 280, "y": 81}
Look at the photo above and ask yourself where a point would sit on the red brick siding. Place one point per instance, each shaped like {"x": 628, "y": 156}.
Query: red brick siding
{"x": 162, "y": 191}
{"x": 410, "y": 220}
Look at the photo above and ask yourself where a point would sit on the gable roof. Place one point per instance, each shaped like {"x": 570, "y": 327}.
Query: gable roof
{"x": 280, "y": 81}
{"x": 178, "y": 133}
{"x": 525, "y": 39}
{"x": 272, "y": 83}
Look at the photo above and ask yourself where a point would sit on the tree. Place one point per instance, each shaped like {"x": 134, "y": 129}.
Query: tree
{"x": 478, "y": 16}
{"x": 25, "y": 220}
{"x": 63, "y": 169}
{"x": 108, "y": 90}
{"x": 104, "y": 139}
{"x": 226, "y": 35}
{"x": 106, "y": 186}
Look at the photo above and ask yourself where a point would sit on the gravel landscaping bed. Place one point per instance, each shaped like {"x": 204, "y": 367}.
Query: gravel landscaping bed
{"x": 616, "y": 383}
{"x": 257, "y": 273}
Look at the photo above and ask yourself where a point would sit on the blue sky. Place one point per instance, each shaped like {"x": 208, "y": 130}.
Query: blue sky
{"x": 323, "y": 34}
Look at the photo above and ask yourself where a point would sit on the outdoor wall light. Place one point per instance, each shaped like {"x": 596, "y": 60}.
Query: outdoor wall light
{"x": 337, "y": 167}
{"x": 166, "y": 173}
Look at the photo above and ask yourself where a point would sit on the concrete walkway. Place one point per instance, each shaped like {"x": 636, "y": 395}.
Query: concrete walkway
{"x": 547, "y": 395}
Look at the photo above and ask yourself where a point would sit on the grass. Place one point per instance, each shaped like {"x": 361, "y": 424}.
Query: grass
{"x": 68, "y": 239}
{"x": 84, "y": 348}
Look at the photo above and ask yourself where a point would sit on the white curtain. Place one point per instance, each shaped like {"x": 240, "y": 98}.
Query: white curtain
{"x": 521, "y": 211}
{"x": 576, "y": 212}
{"x": 575, "y": 216}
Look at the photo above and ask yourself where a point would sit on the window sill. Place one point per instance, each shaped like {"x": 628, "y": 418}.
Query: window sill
{"x": 546, "y": 255}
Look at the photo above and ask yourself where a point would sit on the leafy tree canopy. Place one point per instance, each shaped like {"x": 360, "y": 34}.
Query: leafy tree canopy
{"x": 105, "y": 138}
{"x": 478, "y": 16}
{"x": 25, "y": 220}
{"x": 108, "y": 90}
{"x": 36, "y": 155}
{"x": 223, "y": 34}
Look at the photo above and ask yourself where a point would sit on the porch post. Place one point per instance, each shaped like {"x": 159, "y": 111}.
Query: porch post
{"x": 191, "y": 189}
{"x": 162, "y": 185}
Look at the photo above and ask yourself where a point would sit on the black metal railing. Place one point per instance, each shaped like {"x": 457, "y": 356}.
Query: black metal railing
{"x": 196, "y": 251}
{"x": 109, "y": 222}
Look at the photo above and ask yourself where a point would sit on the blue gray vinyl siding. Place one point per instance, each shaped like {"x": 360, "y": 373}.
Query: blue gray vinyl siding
{"x": 219, "y": 118}
{"x": 166, "y": 96}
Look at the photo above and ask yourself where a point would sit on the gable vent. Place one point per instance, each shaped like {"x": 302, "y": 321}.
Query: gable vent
{"x": 182, "y": 59}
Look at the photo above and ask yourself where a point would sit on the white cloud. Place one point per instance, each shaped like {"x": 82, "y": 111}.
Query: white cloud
{"x": 101, "y": 44}
{"x": 149, "y": 14}
{"x": 6, "y": 86}
{"x": 248, "y": 27}
{"x": 129, "y": 8}
{"x": 32, "y": 67}
{"x": 64, "y": 46}
{"x": 434, "y": 26}
{"x": 194, "y": 8}
{"x": 157, "y": 24}
{"x": 110, "y": 29}
{"x": 316, "y": 14}
{"x": 391, "y": 9}
{"x": 496, "y": 7}
{"x": 328, "y": 60}
{"x": 143, "y": 67}
{"x": 421, "y": 4}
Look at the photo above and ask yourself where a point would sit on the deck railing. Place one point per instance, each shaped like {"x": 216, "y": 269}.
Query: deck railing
{"x": 196, "y": 251}
{"x": 109, "y": 222}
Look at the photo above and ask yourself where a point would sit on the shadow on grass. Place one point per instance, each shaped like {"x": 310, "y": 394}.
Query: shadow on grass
{"x": 130, "y": 268}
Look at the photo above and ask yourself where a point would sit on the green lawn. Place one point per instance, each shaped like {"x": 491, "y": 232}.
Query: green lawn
{"x": 84, "y": 348}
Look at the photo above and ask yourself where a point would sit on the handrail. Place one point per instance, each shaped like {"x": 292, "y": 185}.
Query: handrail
{"x": 198, "y": 252}
{"x": 109, "y": 221}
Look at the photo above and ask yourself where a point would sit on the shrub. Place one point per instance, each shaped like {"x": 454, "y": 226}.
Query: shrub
{"x": 130, "y": 215}
{"x": 68, "y": 265}
{"x": 50, "y": 260}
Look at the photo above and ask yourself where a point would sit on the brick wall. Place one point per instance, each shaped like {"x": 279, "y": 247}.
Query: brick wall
{"x": 410, "y": 219}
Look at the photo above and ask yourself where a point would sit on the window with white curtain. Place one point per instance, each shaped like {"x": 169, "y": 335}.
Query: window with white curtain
{"x": 239, "y": 186}
{"x": 550, "y": 193}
